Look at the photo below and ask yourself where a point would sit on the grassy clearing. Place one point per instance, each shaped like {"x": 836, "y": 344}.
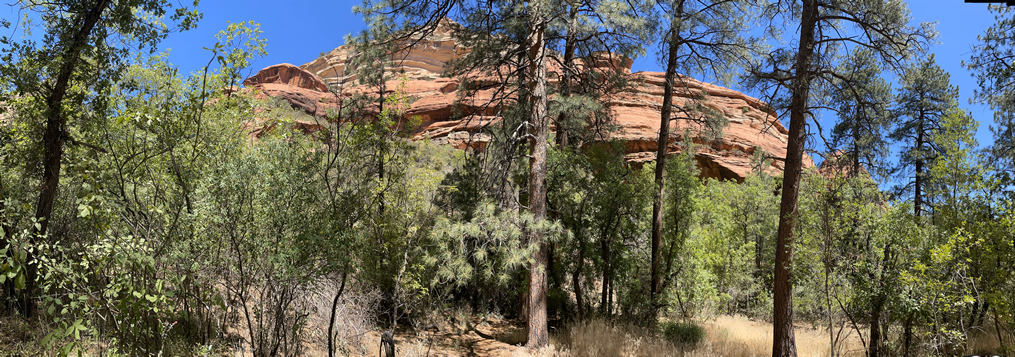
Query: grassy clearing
{"x": 724, "y": 336}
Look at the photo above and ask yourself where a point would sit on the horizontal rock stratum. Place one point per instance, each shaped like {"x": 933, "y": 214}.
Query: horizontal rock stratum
{"x": 752, "y": 125}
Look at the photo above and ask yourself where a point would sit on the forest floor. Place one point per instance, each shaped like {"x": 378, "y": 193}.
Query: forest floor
{"x": 730, "y": 336}
{"x": 727, "y": 336}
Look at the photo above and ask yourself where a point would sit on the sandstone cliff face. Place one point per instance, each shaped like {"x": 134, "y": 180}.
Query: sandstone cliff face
{"x": 426, "y": 59}
{"x": 636, "y": 112}
{"x": 287, "y": 74}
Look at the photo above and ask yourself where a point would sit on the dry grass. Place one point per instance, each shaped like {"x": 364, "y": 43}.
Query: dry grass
{"x": 20, "y": 338}
{"x": 598, "y": 338}
{"x": 354, "y": 316}
{"x": 738, "y": 336}
{"x": 725, "y": 336}
{"x": 983, "y": 340}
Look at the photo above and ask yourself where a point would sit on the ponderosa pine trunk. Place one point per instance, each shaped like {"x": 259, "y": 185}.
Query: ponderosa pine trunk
{"x": 538, "y": 332}
{"x": 53, "y": 138}
{"x": 918, "y": 179}
{"x": 784, "y": 341}
{"x": 568, "y": 73}
{"x": 661, "y": 150}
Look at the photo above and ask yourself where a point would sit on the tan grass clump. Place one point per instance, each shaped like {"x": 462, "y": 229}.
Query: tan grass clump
{"x": 725, "y": 336}
{"x": 599, "y": 338}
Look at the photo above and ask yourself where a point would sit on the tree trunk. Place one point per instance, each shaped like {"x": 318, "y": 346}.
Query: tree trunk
{"x": 784, "y": 341}
{"x": 917, "y": 192}
{"x": 568, "y": 74}
{"x": 6, "y": 232}
{"x": 661, "y": 150}
{"x": 387, "y": 344}
{"x": 997, "y": 329}
{"x": 52, "y": 142}
{"x": 331, "y": 322}
{"x": 538, "y": 332}
{"x": 875, "y": 329}
{"x": 604, "y": 243}
{"x": 579, "y": 300}
{"x": 605, "y": 303}
{"x": 907, "y": 332}
{"x": 826, "y": 261}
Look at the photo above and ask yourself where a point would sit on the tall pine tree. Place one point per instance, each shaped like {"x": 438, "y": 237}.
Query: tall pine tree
{"x": 993, "y": 65}
{"x": 509, "y": 45}
{"x": 801, "y": 72}
{"x": 924, "y": 97}
{"x": 704, "y": 37}
{"x": 861, "y": 101}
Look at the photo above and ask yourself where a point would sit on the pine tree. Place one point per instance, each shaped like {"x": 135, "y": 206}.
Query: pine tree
{"x": 924, "y": 98}
{"x": 993, "y": 65}
{"x": 861, "y": 102}
{"x": 510, "y": 41}
{"x": 825, "y": 27}
{"x": 704, "y": 38}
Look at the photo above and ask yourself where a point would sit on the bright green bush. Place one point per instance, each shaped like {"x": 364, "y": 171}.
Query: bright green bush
{"x": 682, "y": 333}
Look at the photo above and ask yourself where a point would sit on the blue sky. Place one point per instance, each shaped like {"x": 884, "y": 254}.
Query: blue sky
{"x": 299, "y": 31}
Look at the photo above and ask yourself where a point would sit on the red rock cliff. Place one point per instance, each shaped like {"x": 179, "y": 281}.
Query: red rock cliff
{"x": 636, "y": 112}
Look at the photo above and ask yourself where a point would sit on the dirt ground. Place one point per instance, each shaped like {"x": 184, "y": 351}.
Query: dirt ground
{"x": 489, "y": 337}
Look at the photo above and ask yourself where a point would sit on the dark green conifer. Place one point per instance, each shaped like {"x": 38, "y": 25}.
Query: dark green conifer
{"x": 922, "y": 100}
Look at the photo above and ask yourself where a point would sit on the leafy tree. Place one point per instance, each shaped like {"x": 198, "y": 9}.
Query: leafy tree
{"x": 954, "y": 175}
{"x": 825, "y": 27}
{"x": 737, "y": 232}
{"x": 600, "y": 200}
{"x": 65, "y": 79}
{"x": 119, "y": 268}
{"x": 265, "y": 220}
{"x": 681, "y": 200}
{"x": 923, "y": 100}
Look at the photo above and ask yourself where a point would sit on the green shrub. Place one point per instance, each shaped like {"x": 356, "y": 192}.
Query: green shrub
{"x": 682, "y": 333}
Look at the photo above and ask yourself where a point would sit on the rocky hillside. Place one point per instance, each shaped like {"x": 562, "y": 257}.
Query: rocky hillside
{"x": 636, "y": 112}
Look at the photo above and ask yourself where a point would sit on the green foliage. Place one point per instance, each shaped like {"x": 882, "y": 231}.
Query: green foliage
{"x": 923, "y": 99}
{"x": 711, "y": 36}
{"x": 682, "y": 260}
{"x": 118, "y": 266}
{"x": 734, "y": 241}
{"x": 682, "y": 333}
{"x": 862, "y": 104}
{"x": 955, "y": 178}
{"x": 237, "y": 46}
{"x": 601, "y": 202}
{"x": 175, "y": 228}
{"x": 990, "y": 63}
{"x": 263, "y": 217}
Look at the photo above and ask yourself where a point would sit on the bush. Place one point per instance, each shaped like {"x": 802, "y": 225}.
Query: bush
{"x": 682, "y": 333}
